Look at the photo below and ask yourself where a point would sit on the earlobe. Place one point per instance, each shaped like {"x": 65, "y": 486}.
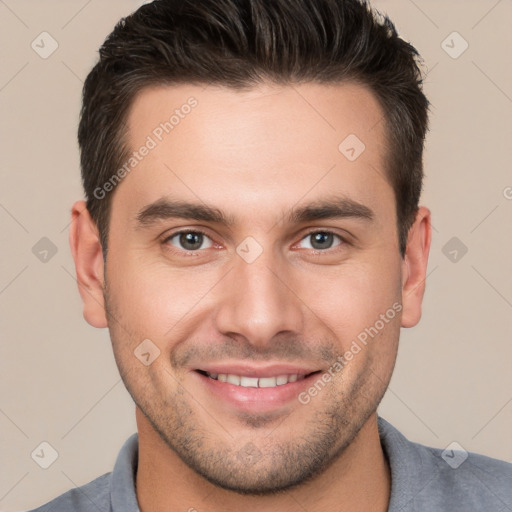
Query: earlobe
{"x": 86, "y": 250}
{"x": 414, "y": 267}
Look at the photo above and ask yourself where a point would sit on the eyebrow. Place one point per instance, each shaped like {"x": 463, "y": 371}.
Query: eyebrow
{"x": 330, "y": 208}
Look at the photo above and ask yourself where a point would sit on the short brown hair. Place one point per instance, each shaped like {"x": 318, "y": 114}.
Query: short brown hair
{"x": 238, "y": 44}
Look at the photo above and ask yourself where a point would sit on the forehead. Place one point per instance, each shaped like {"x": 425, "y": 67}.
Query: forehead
{"x": 267, "y": 145}
{"x": 313, "y": 110}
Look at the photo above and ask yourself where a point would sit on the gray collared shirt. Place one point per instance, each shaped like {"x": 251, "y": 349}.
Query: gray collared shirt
{"x": 422, "y": 480}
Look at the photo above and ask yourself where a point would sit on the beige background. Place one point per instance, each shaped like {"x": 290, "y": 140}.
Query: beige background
{"x": 59, "y": 383}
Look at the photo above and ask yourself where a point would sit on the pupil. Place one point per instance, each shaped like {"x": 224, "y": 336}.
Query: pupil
{"x": 191, "y": 241}
{"x": 322, "y": 240}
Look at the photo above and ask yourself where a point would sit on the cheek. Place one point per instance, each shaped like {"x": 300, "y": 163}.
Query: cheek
{"x": 156, "y": 299}
{"x": 352, "y": 297}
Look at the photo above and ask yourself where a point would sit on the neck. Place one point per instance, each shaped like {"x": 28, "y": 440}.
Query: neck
{"x": 358, "y": 480}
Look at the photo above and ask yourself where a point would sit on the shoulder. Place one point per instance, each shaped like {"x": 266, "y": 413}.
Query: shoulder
{"x": 91, "y": 497}
{"x": 464, "y": 478}
{"x": 111, "y": 491}
{"x": 425, "y": 478}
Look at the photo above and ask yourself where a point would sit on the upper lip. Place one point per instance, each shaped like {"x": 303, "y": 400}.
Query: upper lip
{"x": 246, "y": 370}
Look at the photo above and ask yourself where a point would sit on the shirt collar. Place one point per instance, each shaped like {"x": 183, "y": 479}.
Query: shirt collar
{"x": 122, "y": 483}
{"x": 411, "y": 469}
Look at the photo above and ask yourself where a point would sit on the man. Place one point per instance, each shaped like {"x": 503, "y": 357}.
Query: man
{"x": 253, "y": 241}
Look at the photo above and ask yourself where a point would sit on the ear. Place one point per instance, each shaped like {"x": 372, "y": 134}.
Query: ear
{"x": 414, "y": 267}
{"x": 86, "y": 249}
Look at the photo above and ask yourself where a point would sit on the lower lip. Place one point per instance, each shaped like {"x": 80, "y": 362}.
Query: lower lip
{"x": 256, "y": 399}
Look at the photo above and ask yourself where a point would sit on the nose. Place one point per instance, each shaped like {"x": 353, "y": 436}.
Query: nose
{"x": 257, "y": 302}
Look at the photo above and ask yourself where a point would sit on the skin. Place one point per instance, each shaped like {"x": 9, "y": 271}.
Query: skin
{"x": 255, "y": 155}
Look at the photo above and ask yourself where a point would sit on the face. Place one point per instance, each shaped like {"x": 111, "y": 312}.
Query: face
{"x": 260, "y": 263}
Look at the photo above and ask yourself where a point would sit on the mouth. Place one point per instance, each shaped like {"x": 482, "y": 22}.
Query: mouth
{"x": 256, "y": 382}
{"x": 255, "y": 390}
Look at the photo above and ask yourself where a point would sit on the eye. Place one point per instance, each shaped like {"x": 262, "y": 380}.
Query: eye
{"x": 321, "y": 240}
{"x": 189, "y": 240}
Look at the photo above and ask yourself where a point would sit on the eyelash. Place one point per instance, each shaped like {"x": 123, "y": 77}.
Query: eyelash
{"x": 186, "y": 253}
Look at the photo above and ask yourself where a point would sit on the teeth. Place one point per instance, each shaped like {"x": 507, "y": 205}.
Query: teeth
{"x": 283, "y": 379}
{"x": 233, "y": 379}
{"x": 269, "y": 382}
{"x": 255, "y": 382}
{"x": 249, "y": 382}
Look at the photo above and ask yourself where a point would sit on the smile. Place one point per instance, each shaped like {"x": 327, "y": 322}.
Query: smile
{"x": 254, "y": 382}
{"x": 255, "y": 388}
